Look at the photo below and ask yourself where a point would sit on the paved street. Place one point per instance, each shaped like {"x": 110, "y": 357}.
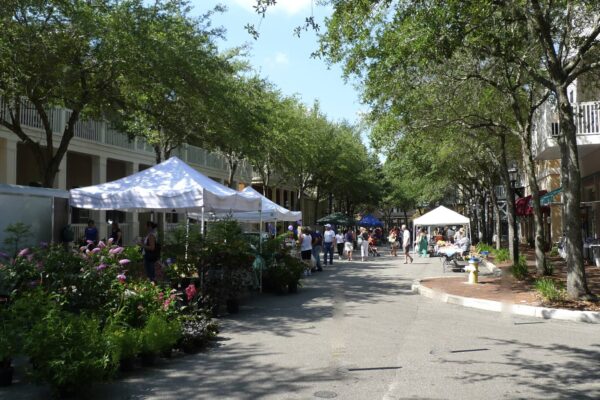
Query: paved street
{"x": 356, "y": 331}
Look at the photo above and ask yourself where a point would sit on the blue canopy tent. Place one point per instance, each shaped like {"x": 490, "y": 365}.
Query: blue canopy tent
{"x": 369, "y": 221}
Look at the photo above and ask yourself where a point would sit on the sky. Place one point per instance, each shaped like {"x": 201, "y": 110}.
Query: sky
{"x": 284, "y": 59}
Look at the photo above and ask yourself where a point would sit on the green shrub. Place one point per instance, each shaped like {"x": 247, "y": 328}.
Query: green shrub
{"x": 124, "y": 342}
{"x": 548, "y": 268}
{"x": 17, "y": 235}
{"x": 68, "y": 351}
{"x": 549, "y": 289}
{"x": 484, "y": 247}
{"x": 554, "y": 252}
{"x": 159, "y": 335}
{"x": 520, "y": 271}
{"x": 501, "y": 255}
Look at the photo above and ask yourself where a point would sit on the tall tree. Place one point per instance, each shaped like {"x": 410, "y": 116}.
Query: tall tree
{"x": 55, "y": 54}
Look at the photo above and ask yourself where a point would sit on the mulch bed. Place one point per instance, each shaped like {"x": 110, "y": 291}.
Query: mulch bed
{"x": 507, "y": 289}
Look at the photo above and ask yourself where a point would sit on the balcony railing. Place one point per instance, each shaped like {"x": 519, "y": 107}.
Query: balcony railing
{"x": 587, "y": 120}
{"x": 102, "y": 132}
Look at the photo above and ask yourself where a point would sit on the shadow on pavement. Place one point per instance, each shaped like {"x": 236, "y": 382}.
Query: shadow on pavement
{"x": 535, "y": 367}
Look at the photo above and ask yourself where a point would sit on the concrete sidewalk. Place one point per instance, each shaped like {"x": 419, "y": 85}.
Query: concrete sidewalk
{"x": 357, "y": 331}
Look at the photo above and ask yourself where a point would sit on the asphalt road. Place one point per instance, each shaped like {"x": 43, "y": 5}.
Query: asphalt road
{"x": 356, "y": 331}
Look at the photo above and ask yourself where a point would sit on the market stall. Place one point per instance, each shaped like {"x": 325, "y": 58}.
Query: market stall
{"x": 170, "y": 185}
{"x": 442, "y": 216}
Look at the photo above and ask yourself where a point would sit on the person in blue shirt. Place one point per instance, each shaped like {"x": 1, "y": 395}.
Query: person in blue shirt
{"x": 91, "y": 234}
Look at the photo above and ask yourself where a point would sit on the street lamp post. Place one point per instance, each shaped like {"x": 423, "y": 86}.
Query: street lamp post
{"x": 513, "y": 172}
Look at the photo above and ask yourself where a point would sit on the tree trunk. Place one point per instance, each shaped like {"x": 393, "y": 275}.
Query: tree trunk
{"x": 511, "y": 210}
{"x": 540, "y": 257}
{"x": 233, "y": 165}
{"x": 497, "y": 218}
{"x": 571, "y": 184}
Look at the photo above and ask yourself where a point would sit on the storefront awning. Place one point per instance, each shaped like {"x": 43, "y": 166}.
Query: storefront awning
{"x": 547, "y": 198}
{"x": 525, "y": 207}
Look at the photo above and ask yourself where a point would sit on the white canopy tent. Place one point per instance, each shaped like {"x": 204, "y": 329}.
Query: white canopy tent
{"x": 441, "y": 216}
{"x": 170, "y": 185}
{"x": 270, "y": 211}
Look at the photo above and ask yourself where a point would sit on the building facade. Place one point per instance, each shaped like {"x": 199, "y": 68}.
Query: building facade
{"x": 99, "y": 154}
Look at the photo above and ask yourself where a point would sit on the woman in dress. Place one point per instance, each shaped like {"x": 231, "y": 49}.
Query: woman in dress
{"x": 149, "y": 250}
{"x": 394, "y": 241}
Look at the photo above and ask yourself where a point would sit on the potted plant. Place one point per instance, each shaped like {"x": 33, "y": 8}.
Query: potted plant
{"x": 6, "y": 348}
{"x": 126, "y": 346}
{"x": 197, "y": 329}
{"x": 294, "y": 269}
{"x": 158, "y": 336}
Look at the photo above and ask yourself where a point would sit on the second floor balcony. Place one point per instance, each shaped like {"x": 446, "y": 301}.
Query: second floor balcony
{"x": 547, "y": 129}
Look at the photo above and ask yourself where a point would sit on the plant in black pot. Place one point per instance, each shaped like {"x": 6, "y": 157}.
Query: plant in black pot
{"x": 158, "y": 336}
{"x": 197, "y": 329}
{"x": 7, "y": 347}
{"x": 294, "y": 269}
{"x": 226, "y": 264}
{"x": 125, "y": 342}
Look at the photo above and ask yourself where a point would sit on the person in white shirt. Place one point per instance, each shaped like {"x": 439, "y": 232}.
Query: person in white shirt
{"x": 406, "y": 244}
{"x": 459, "y": 235}
{"x": 339, "y": 241}
{"x": 328, "y": 244}
{"x": 306, "y": 249}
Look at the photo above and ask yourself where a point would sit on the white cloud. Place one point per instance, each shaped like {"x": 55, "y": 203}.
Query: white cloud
{"x": 278, "y": 60}
{"x": 281, "y": 58}
{"x": 287, "y": 6}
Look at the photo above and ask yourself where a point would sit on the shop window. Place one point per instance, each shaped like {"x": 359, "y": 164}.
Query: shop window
{"x": 115, "y": 215}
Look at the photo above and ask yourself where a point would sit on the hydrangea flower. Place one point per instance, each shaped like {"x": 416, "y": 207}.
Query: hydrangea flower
{"x": 110, "y": 241}
{"x": 191, "y": 291}
{"x": 23, "y": 252}
{"x": 116, "y": 250}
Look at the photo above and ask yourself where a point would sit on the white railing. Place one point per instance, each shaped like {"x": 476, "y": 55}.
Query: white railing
{"x": 102, "y": 132}
{"x": 587, "y": 120}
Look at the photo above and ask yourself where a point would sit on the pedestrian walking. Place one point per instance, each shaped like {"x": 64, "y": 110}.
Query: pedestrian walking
{"x": 393, "y": 239}
{"x": 363, "y": 243}
{"x": 328, "y": 244}
{"x": 306, "y": 249}
{"x": 339, "y": 241}
{"x": 349, "y": 243}
{"x": 317, "y": 246}
{"x": 406, "y": 244}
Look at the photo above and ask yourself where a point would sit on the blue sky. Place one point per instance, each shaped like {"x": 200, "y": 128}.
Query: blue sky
{"x": 284, "y": 58}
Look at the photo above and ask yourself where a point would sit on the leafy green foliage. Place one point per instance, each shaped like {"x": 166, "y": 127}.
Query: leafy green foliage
{"x": 548, "y": 268}
{"x": 520, "y": 270}
{"x": 69, "y": 351}
{"x": 159, "y": 334}
{"x": 16, "y": 236}
{"x": 550, "y": 290}
{"x": 501, "y": 255}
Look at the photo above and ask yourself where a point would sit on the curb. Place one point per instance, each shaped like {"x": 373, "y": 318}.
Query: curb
{"x": 591, "y": 317}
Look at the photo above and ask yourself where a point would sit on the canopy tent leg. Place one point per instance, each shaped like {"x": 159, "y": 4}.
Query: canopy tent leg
{"x": 260, "y": 275}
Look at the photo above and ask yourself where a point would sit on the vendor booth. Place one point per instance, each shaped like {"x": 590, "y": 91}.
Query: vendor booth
{"x": 170, "y": 185}
{"x": 269, "y": 211}
{"x": 441, "y": 216}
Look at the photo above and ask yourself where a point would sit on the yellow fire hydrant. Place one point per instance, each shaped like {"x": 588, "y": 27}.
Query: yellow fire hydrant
{"x": 473, "y": 269}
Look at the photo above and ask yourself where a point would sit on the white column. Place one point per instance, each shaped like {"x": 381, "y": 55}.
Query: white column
{"x": 132, "y": 218}
{"x": 8, "y": 160}
{"x": 60, "y": 182}
{"x": 99, "y": 176}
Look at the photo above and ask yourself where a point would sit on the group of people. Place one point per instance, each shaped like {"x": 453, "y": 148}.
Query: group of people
{"x": 400, "y": 237}
{"x": 313, "y": 243}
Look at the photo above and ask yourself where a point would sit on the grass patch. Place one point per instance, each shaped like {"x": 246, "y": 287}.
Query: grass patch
{"x": 520, "y": 271}
{"x": 550, "y": 290}
{"x": 501, "y": 255}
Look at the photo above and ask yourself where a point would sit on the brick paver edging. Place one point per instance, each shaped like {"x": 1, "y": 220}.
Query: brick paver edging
{"x": 591, "y": 317}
